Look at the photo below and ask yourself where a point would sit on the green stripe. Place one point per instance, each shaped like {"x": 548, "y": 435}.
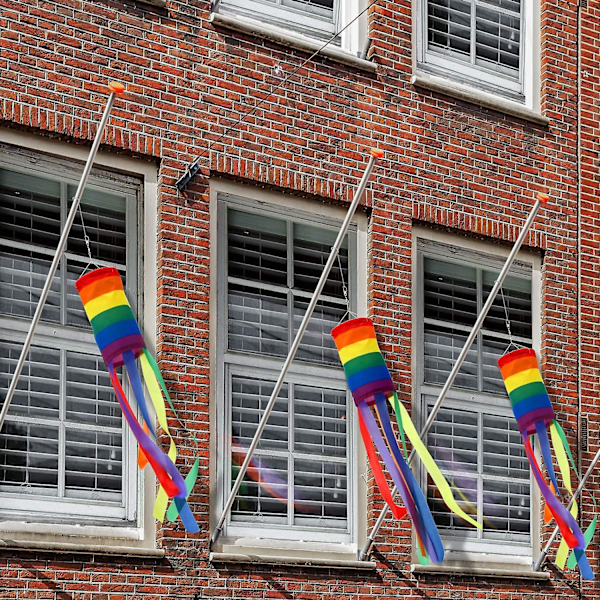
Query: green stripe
{"x": 360, "y": 363}
{"x": 110, "y": 317}
{"x": 527, "y": 391}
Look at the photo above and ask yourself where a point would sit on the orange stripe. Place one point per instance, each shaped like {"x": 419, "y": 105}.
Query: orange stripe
{"x": 99, "y": 288}
{"x": 516, "y": 366}
{"x": 354, "y": 335}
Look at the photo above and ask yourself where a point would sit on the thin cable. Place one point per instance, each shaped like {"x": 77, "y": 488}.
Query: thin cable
{"x": 270, "y": 94}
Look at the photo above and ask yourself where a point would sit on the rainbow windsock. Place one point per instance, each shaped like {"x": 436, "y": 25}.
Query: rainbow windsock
{"x": 121, "y": 342}
{"x": 371, "y": 385}
{"x": 534, "y": 413}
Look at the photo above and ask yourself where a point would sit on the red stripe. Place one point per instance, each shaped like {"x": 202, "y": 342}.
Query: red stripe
{"x": 514, "y": 355}
{"x": 347, "y": 325}
{"x": 94, "y": 276}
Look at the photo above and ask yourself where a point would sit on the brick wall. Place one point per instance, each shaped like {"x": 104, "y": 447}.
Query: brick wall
{"x": 448, "y": 164}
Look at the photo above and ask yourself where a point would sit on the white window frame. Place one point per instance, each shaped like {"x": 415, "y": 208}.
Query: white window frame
{"x": 462, "y": 551}
{"x": 126, "y": 528}
{"x": 524, "y": 90}
{"x": 299, "y": 22}
{"x": 259, "y": 538}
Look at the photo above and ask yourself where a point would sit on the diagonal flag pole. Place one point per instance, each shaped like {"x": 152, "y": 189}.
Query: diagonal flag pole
{"x": 116, "y": 89}
{"x": 540, "y": 199}
{"x": 358, "y": 195}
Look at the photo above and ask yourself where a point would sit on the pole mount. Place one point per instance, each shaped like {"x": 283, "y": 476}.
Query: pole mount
{"x": 116, "y": 87}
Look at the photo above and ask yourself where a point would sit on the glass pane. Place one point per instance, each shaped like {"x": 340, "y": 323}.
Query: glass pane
{"x": 263, "y": 492}
{"x": 29, "y": 457}
{"x": 320, "y": 421}
{"x": 90, "y": 396}
{"x": 441, "y": 348}
{"x": 450, "y": 292}
{"x": 249, "y": 398}
{"x": 29, "y": 209}
{"x": 22, "y": 277}
{"x": 317, "y": 345}
{"x": 257, "y": 248}
{"x": 258, "y": 321}
{"x": 449, "y": 26}
{"x": 506, "y": 510}
{"x": 492, "y": 350}
{"x": 312, "y": 247}
{"x": 464, "y": 489}
{"x": 517, "y": 297}
{"x": 503, "y": 450}
{"x": 93, "y": 461}
{"x": 104, "y": 220}
{"x": 38, "y": 389}
{"x": 498, "y": 39}
{"x": 320, "y": 491}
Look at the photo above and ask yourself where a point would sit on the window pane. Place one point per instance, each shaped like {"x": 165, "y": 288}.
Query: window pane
{"x": 249, "y": 398}
{"x": 104, "y": 220}
{"x": 258, "y": 321}
{"x": 38, "y": 389}
{"x": 317, "y": 345}
{"x": 93, "y": 463}
{"x": 449, "y": 25}
{"x": 29, "y": 209}
{"x": 319, "y": 421}
{"x": 90, "y": 396}
{"x": 503, "y": 450}
{"x": 441, "y": 349}
{"x": 506, "y": 510}
{"x": 517, "y": 298}
{"x": 491, "y": 351}
{"x": 312, "y": 247}
{"x": 29, "y": 457}
{"x": 498, "y": 38}
{"x": 22, "y": 277}
{"x": 320, "y": 492}
{"x": 257, "y": 248}
{"x": 450, "y": 292}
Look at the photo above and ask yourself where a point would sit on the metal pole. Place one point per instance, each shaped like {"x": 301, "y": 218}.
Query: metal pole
{"x": 540, "y": 199}
{"x": 375, "y": 154}
{"x": 542, "y": 557}
{"x": 116, "y": 89}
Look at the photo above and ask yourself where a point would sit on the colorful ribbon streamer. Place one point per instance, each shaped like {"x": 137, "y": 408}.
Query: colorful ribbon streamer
{"x": 120, "y": 342}
{"x": 371, "y": 385}
{"x": 534, "y": 413}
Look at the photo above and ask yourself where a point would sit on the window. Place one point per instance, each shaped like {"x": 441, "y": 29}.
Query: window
{"x": 301, "y": 484}
{"x": 315, "y": 18}
{"x": 474, "y": 439}
{"x": 63, "y": 449}
{"x": 486, "y": 43}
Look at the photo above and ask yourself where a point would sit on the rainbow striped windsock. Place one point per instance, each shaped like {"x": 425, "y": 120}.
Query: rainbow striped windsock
{"x": 121, "y": 342}
{"x": 534, "y": 413}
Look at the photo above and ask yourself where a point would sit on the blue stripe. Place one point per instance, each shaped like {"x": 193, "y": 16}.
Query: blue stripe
{"x": 116, "y": 331}
{"x": 529, "y": 404}
{"x": 368, "y": 376}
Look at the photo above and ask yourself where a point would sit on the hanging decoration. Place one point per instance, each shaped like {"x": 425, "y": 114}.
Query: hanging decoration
{"x": 371, "y": 385}
{"x": 120, "y": 342}
{"x": 534, "y": 413}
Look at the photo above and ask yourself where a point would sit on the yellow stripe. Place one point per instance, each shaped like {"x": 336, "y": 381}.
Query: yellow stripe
{"x": 358, "y": 349}
{"x": 105, "y": 302}
{"x": 523, "y": 378}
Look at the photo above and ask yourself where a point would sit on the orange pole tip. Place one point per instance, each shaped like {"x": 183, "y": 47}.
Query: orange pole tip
{"x": 376, "y": 153}
{"x": 543, "y": 198}
{"x": 116, "y": 87}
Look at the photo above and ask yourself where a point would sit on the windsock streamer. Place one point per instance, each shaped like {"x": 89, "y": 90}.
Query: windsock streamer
{"x": 372, "y": 388}
{"x": 535, "y": 415}
{"x": 120, "y": 342}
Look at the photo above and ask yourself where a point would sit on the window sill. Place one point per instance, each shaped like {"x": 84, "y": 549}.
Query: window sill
{"x": 475, "y": 96}
{"x": 226, "y": 557}
{"x": 479, "y": 572}
{"x": 287, "y": 38}
{"x": 70, "y": 548}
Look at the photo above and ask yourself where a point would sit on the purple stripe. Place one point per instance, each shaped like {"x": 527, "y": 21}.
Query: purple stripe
{"x": 113, "y": 352}
{"x": 527, "y": 422}
{"x": 375, "y": 387}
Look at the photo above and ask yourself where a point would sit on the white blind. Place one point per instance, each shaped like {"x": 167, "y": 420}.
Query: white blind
{"x": 63, "y": 436}
{"x": 479, "y": 32}
{"x": 299, "y": 474}
{"x": 478, "y": 446}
